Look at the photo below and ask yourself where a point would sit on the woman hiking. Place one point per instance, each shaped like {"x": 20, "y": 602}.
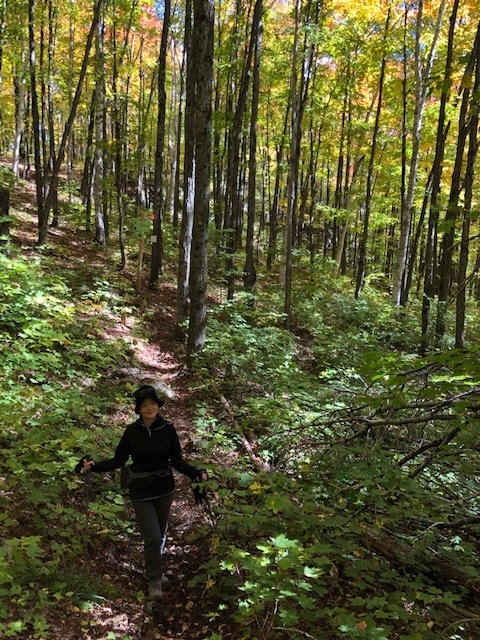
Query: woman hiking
{"x": 154, "y": 447}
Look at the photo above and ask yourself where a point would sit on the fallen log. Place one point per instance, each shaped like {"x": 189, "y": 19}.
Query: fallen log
{"x": 427, "y": 561}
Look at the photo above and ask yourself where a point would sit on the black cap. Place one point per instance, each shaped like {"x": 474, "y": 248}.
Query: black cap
{"x": 144, "y": 392}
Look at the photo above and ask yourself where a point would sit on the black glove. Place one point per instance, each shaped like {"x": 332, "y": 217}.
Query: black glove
{"x": 200, "y": 494}
{"x": 79, "y": 465}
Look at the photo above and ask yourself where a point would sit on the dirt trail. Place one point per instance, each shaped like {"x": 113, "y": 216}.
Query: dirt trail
{"x": 156, "y": 359}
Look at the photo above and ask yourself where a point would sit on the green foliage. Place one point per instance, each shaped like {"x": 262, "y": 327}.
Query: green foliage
{"x": 54, "y": 362}
{"x": 370, "y": 445}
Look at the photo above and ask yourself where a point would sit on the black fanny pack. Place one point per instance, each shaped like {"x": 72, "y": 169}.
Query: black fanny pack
{"x": 127, "y": 476}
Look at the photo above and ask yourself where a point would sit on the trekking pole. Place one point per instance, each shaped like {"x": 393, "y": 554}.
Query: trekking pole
{"x": 209, "y": 511}
{"x": 201, "y": 498}
{"x": 208, "y": 508}
{"x": 88, "y": 480}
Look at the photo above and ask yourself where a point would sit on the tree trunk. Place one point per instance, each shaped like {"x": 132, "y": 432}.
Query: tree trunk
{"x": 156, "y": 266}
{"x": 422, "y": 83}
{"x": 177, "y": 204}
{"x": 448, "y": 241}
{"x": 202, "y": 49}
{"x": 42, "y": 236}
{"x": 4, "y": 216}
{"x": 3, "y": 15}
{"x": 250, "y": 276}
{"x": 275, "y": 208}
{"x": 19, "y": 81}
{"x": 299, "y": 90}
{"x": 233, "y": 208}
{"x": 437, "y": 171}
{"x": 118, "y": 57}
{"x": 362, "y": 251}
{"x": 36, "y": 124}
{"x": 468, "y": 186}
{"x": 404, "y": 555}
{"x": 99, "y": 153}
{"x": 185, "y": 242}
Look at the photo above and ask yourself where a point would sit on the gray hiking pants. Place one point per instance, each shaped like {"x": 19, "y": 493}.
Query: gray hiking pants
{"x": 152, "y": 520}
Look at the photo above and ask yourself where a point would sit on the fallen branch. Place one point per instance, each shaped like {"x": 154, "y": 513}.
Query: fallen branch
{"x": 259, "y": 464}
{"x": 434, "y": 444}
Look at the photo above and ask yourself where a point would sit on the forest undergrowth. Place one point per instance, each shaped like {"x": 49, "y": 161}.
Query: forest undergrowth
{"x": 76, "y": 341}
{"x": 344, "y": 487}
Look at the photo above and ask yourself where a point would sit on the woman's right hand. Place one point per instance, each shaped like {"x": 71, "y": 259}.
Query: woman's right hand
{"x": 84, "y": 464}
{"x": 88, "y": 463}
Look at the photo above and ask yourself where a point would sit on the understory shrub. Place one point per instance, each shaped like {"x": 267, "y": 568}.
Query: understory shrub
{"x": 348, "y": 534}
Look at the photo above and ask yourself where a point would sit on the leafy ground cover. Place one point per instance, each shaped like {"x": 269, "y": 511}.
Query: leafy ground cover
{"x": 361, "y": 524}
{"x": 75, "y": 341}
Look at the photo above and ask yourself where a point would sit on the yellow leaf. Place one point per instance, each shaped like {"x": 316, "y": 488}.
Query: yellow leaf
{"x": 362, "y": 625}
{"x": 256, "y": 488}
{"x": 209, "y": 584}
{"x": 189, "y": 605}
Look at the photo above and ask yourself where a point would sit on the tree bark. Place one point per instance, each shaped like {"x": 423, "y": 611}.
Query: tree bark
{"x": 43, "y": 227}
{"x": 99, "y": 153}
{"x": 437, "y": 171}
{"x": 233, "y": 208}
{"x": 4, "y": 216}
{"x": 202, "y": 49}
{"x": 250, "y": 275}
{"x": 467, "y": 206}
{"x": 19, "y": 82}
{"x": 422, "y": 83}
{"x": 185, "y": 241}
{"x": 427, "y": 561}
{"x": 448, "y": 241}
{"x": 39, "y": 182}
{"x": 362, "y": 252}
{"x": 156, "y": 266}
{"x": 259, "y": 465}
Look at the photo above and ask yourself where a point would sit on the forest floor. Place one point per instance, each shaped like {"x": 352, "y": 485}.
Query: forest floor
{"x": 117, "y": 560}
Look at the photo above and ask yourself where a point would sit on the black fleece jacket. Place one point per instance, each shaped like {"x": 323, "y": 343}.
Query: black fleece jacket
{"x": 151, "y": 449}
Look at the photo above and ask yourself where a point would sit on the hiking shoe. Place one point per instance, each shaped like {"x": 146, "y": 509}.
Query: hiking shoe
{"x": 164, "y": 581}
{"x": 155, "y": 589}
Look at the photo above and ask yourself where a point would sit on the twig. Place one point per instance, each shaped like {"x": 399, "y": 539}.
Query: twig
{"x": 445, "y": 440}
{"x": 259, "y": 464}
{"x": 429, "y": 445}
{"x": 458, "y": 622}
{"x": 304, "y": 633}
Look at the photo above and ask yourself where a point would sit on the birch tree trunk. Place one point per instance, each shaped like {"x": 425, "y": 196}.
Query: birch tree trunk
{"x": 185, "y": 242}
{"x": 19, "y": 87}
